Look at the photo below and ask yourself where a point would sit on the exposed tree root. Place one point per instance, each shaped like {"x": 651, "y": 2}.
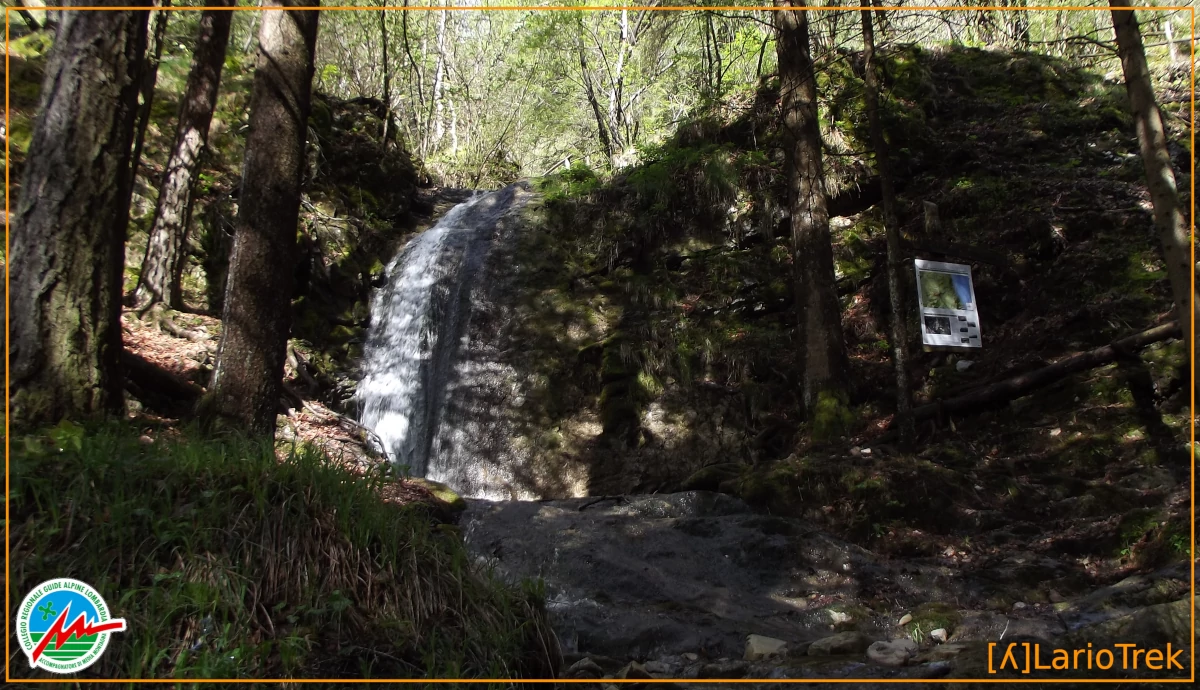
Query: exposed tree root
{"x": 159, "y": 315}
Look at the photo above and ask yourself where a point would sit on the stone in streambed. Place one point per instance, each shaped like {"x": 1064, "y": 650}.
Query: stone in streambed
{"x": 892, "y": 653}
{"x": 584, "y": 668}
{"x": 761, "y": 647}
{"x": 841, "y": 643}
{"x": 634, "y": 670}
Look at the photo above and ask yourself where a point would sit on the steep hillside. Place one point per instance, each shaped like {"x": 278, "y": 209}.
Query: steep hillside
{"x": 678, "y": 367}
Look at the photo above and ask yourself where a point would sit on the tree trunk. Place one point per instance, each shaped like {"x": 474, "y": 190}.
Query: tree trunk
{"x": 149, "y": 72}
{"x": 891, "y": 224}
{"x": 590, "y": 91}
{"x": 819, "y": 312}
{"x": 246, "y": 381}
{"x": 388, "y": 132}
{"x": 68, "y": 237}
{"x": 27, "y": 16}
{"x": 164, "y": 259}
{"x": 439, "y": 78}
{"x": 1160, "y": 178}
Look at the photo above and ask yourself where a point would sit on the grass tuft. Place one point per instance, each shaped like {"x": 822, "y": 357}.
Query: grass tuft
{"x": 229, "y": 563}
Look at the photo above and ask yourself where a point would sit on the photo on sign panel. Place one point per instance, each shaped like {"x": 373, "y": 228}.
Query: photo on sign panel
{"x": 945, "y": 290}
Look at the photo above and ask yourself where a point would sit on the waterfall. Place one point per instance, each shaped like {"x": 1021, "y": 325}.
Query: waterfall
{"x": 415, "y": 373}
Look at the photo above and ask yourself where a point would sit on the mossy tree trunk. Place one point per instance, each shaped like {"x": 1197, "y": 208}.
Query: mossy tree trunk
{"x": 163, "y": 262}
{"x": 819, "y": 312}
{"x": 68, "y": 234}
{"x": 891, "y": 224}
{"x": 247, "y": 379}
{"x": 1169, "y": 216}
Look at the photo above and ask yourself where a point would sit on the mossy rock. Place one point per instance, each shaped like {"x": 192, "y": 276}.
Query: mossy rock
{"x": 612, "y": 366}
{"x": 446, "y": 496}
{"x": 344, "y": 333}
{"x": 321, "y": 116}
{"x": 1153, "y": 625}
{"x": 619, "y": 412}
{"x": 711, "y": 477}
{"x": 931, "y": 616}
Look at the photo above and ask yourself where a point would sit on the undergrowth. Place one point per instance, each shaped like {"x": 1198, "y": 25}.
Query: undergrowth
{"x": 230, "y": 563}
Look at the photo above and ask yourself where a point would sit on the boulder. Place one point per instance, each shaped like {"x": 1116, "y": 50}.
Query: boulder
{"x": 1151, "y": 625}
{"x": 634, "y": 670}
{"x": 892, "y": 653}
{"x": 444, "y": 494}
{"x": 841, "y": 643}
{"x": 723, "y": 668}
{"x": 761, "y": 647}
{"x": 584, "y": 668}
{"x": 945, "y": 652}
{"x": 709, "y": 478}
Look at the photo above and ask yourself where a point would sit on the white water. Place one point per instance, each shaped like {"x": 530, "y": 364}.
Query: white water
{"x": 414, "y": 360}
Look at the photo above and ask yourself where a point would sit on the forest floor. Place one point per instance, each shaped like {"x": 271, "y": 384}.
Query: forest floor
{"x": 312, "y": 424}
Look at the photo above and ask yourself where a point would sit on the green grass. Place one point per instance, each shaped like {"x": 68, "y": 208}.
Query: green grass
{"x": 227, "y": 562}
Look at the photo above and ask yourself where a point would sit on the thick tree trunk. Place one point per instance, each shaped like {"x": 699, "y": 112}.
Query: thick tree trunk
{"x": 163, "y": 262}
{"x": 822, "y": 350}
{"x": 1160, "y": 178}
{"x": 891, "y": 224}
{"x": 68, "y": 233}
{"x": 246, "y": 382}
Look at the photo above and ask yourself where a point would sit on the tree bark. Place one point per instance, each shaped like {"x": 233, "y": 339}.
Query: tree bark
{"x": 247, "y": 378}
{"x": 68, "y": 237}
{"x": 439, "y": 77}
{"x": 891, "y": 225}
{"x": 149, "y": 71}
{"x": 27, "y": 16}
{"x": 164, "y": 259}
{"x": 819, "y": 313}
{"x": 1169, "y": 217}
{"x": 590, "y": 92}
{"x": 388, "y": 132}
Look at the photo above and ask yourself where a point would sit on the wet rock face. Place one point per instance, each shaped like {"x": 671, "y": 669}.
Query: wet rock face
{"x": 696, "y": 585}
{"x": 695, "y": 572}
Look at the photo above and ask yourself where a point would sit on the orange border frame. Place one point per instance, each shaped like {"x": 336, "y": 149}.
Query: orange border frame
{"x": 7, "y": 438}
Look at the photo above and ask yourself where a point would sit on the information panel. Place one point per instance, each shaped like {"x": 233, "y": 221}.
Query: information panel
{"x": 946, "y": 294}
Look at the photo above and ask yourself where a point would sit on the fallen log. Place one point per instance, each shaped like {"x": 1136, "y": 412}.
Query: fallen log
{"x": 1020, "y": 385}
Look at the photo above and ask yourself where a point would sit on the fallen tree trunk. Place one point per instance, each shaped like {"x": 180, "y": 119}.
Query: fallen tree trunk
{"x": 1020, "y": 385}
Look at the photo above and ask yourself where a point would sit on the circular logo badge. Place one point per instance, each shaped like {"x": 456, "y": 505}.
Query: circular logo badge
{"x": 63, "y": 625}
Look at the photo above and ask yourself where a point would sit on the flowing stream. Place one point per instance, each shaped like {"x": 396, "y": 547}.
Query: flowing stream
{"x": 416, "y": 371}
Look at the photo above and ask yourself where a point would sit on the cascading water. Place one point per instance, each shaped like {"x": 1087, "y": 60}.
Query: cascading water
{"x": 421, "y": 380}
